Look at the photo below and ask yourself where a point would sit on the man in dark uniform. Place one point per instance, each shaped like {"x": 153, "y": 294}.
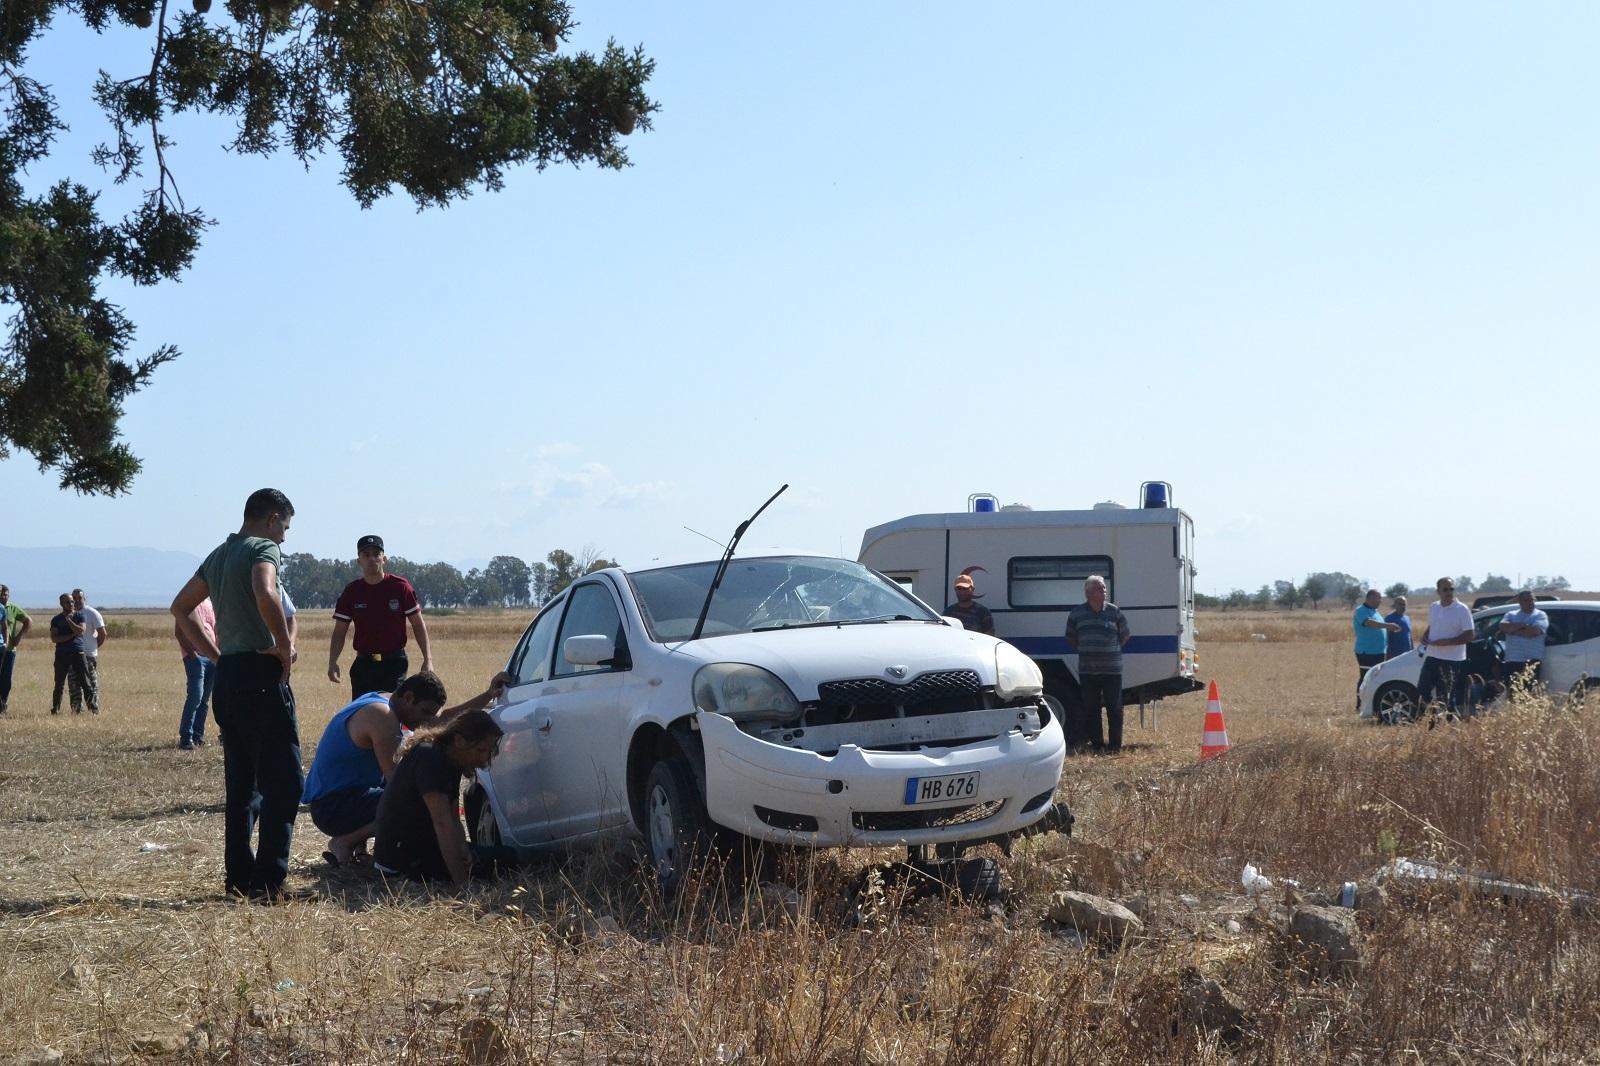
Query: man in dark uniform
{"x": 252, "y": 702}
{"x": 380, "y": 605}
{"x": 972, "y": 614}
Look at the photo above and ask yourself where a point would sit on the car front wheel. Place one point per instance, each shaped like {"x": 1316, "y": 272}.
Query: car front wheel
{"x": 1395, "y": 703}
{"x": 482, "y": 829}
{"x": 677, "y": 831}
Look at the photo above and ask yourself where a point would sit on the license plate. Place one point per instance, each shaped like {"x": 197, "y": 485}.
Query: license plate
{"x": 946, "y": 789}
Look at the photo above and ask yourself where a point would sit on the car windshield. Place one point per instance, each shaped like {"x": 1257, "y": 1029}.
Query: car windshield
{"x": 770, "y": 593}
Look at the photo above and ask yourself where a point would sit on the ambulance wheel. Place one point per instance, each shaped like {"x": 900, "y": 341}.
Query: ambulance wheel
{"x": 1061, "y": 695}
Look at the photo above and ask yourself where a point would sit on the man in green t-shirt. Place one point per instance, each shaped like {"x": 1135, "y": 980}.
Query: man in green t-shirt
{"x": 252, "y": 702}
{"x": 14, "y": 625}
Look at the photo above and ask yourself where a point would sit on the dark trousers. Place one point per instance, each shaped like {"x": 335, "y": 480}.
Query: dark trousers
{"x": 261, "y": 772}
{"x": 8, "y": 663}
{"x": 1103, "y": 690}
{"x": 1512, "y": 671}
{"x": 72, "y": 666}
{"x": 1438, "y": 681}
{"x": 371, "y": 675}
{"x": 1365, "y": 660}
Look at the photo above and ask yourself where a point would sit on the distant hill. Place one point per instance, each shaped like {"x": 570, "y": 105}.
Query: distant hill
{"x": 111, "y": 577}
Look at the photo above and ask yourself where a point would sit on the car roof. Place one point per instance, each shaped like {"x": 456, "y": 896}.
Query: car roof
{"x": 1556, "y": 605}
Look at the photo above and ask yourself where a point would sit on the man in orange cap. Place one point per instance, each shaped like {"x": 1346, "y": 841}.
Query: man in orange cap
{"x": 972, "y": 614}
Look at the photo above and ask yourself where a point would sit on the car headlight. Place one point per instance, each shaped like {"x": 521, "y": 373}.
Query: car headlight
{"x": 1015, "y": 674}
{"x": 743, "y": 692}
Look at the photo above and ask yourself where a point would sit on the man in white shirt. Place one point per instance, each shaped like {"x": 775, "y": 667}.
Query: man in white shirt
{"x": 94, "y": 635}
{"x": 1444, "y": 646}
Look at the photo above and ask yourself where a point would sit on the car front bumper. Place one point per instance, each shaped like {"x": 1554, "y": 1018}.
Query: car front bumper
{"x": 856, "y": 797}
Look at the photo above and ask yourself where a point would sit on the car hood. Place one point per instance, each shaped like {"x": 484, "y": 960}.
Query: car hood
{"x": 804, "y": 658}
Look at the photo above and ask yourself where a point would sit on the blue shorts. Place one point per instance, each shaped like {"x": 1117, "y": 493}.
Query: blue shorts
{"x": 345, "y": 811}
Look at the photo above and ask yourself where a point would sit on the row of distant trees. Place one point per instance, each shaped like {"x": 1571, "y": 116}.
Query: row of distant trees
{"x": 1343, "y": 588}
{"x": 505, "y": 581}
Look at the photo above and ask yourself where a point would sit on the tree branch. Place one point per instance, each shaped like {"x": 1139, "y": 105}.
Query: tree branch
{"x": 163, "y": 175}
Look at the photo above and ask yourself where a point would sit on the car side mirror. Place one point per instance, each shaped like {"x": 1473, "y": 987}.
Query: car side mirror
{"x": 589, "y": 650}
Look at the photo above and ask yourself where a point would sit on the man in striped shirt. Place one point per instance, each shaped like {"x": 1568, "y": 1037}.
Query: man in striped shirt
{"x": 1097, "y": 630}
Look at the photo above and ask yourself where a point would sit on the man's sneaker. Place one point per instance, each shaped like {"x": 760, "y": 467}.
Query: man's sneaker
{"x": 185, "y": 745}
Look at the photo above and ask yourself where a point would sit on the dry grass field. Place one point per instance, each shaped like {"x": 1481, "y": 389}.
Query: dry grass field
{"x": 116, "y": 944}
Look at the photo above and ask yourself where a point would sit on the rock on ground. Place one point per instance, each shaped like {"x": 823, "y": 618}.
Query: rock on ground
{"x": 1210, "y": 1006}
{"x": 482, "y": 1042}
{"x": 157, "y": 1044}
{"x": 1327, "y": 939}
{"x": 1094, "y": 915}
{"x": 39, "y": 1056}
{"x": 776, "y": 904}
{"x": 1371, "y": 898}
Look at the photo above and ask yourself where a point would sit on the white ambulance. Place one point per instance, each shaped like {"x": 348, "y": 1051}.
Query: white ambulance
{"x": 1028, "y": 569}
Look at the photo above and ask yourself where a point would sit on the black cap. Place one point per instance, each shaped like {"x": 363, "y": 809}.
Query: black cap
{"x": 371, "y": 540}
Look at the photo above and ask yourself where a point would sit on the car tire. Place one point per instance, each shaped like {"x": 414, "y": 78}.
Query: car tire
{"x": 677, "y": 833}
{"x": 482, "y": 829}
{"x": 975, "y": 879}
{"x": 1396, "y": 703}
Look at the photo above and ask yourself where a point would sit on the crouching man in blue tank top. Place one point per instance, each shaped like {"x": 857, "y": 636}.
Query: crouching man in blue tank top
{"x": 356, "y": 756}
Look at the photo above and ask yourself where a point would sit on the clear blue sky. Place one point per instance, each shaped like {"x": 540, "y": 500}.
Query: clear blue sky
{"x": 1330, "y": 272}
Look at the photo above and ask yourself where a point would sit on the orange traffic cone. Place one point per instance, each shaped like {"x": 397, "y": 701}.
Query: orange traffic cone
{"x": 1214, "y": 738}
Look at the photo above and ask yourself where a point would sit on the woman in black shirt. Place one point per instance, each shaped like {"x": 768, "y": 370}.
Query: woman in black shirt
{"x": 419, "y": 831}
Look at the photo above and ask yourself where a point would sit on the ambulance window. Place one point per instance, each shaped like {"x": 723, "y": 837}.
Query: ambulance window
{"x": 905, "y": 581}
{"x": 1055, "y": 581}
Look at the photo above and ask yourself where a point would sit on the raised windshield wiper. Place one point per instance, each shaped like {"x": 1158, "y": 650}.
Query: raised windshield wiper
{"x": 842, "y": 622}
{"x": 878, "y": 620}
{"x": 722, "y": 567}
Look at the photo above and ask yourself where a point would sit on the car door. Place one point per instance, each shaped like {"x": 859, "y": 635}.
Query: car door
{"x": 521, "y": 787}
{"x": 580, "y": 716}
{"x": 1571, "y": 648}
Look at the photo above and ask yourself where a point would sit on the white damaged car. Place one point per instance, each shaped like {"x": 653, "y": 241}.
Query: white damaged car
{"x": 820, "y": 705}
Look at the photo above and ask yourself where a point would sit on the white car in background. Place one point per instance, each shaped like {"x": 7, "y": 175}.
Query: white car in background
{"x": 820, "y": 705}
{"x": 1572, "y": 658}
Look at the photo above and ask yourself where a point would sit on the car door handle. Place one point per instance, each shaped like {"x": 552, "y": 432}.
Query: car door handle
{"x": 544, "y": 726}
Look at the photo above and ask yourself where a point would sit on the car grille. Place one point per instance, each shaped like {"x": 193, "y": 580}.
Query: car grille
{"x": 892, "y": 821}
{"x": 867, "y": 698}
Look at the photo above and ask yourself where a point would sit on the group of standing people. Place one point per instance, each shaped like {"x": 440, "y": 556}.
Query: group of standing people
{"x": 369, "y": 778}
{"x": 78, "y": 633}
{"x": 1445, "y": 640}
